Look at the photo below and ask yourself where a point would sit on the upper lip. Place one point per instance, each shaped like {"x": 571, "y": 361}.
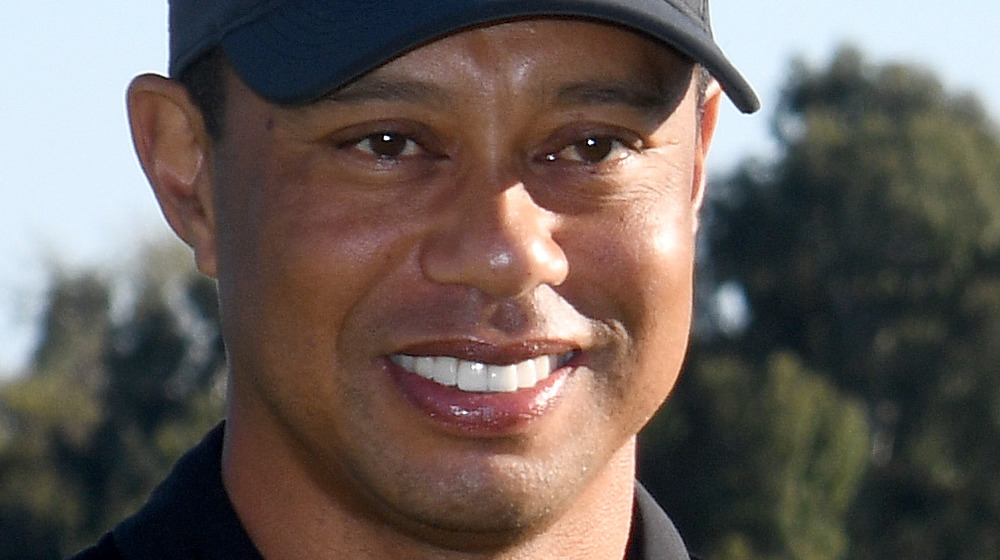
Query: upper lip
{"x": 477, "y": 350}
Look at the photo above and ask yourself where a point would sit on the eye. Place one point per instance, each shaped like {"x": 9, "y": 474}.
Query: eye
{"x": 386, "y": 145}
{"x": 593, "y": 150}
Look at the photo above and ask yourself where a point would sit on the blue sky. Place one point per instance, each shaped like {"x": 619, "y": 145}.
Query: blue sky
{"x": 73, "y": 195}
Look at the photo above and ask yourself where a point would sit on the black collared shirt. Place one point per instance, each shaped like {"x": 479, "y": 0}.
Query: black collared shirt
{"x": 189, "y": 517}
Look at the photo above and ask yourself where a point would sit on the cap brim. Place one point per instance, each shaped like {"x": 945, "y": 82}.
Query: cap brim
{"x": 304, "y": 49}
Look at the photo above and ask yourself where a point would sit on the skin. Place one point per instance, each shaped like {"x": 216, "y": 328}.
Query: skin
{"x": 485, "y": 229}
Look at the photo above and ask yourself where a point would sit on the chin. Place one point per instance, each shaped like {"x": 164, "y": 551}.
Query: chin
{"x": 482, "y": 502}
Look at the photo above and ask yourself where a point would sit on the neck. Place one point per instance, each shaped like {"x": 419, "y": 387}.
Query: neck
{"x": 292, "y": 517}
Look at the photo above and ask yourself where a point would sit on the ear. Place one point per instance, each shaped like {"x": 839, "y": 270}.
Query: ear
{"x": 175, "y": 152}
{"x": 708, "y": 118}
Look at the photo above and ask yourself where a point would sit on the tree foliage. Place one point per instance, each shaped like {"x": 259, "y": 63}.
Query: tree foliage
{"x": 110, "y": 402}
{"x": 869, "y": 252}
{"x": 762, "y": 460}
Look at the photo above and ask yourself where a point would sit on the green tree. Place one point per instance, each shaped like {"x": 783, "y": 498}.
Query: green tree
{"x": 757, "y": 461}
{"x": 109, "y": 403}
{"x": 49, "y": 413}
{"x": 870, "y": 249}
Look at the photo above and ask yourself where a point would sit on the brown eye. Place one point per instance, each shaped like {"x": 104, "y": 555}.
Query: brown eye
{"x": 593, "y": 150}
{"x": 388, "y": 145}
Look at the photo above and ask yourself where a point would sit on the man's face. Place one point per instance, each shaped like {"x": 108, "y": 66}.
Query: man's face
{"x": 511, "y": 209}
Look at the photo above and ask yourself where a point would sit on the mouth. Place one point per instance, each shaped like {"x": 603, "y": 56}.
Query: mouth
{"x": 480, "y": 377}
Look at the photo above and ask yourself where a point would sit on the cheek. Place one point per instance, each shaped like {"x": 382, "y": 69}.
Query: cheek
{"x": 641, "y": 255}
{"x": 657, "y": 291}
{"x": 301, "y": 256}
{"x": 639, "y": 267}
{"x": 322, "y": 258}
{"x": 661, "y": 313}
{"x": 664, "y": 276}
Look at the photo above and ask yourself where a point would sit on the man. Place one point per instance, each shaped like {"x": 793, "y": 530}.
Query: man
{"x": 454, "y": 247}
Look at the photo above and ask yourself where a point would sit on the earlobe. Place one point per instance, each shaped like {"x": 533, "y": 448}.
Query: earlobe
{"x": 175, "y": 152}
{"x": 708, "y": 116}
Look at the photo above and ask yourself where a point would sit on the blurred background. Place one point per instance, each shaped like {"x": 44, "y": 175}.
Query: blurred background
{"x": 842, "y": 397}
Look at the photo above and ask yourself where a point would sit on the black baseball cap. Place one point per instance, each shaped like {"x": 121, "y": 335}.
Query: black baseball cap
{"x": 293, "y": 51}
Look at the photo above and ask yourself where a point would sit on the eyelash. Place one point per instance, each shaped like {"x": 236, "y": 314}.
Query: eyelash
{"x": 399, "y": 144}
{"x": 606, "y": 148}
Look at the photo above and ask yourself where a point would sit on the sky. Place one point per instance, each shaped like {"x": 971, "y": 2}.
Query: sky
{"x": 73, "y": 196}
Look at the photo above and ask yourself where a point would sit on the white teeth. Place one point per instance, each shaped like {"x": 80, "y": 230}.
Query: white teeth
{"x": 545, "y": 364}
{"x": 446, "y": 370}
{"x": 478, "y": 377}
{"x": 424, "y": 364}
{"x": 502, "y": 379}
{"x": 473, "y": 376}
{"x": 405, "y": 362}
{"x": 527, "y": 374}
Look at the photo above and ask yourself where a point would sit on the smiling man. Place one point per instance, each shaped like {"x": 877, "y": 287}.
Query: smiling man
{"x": 454, "y": 247}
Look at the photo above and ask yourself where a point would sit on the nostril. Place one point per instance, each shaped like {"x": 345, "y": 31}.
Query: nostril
{"x": 508, "y": 316}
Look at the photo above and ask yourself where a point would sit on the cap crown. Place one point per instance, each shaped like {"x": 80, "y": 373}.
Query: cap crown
{"x": 292, "y": 51}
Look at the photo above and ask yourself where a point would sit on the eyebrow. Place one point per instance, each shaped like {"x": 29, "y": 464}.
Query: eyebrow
{"x": 641, "y": 97}
{"x": 370, "y": 88}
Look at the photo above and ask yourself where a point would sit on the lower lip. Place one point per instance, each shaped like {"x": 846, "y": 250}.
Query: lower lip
{"x": 482, "y": 414}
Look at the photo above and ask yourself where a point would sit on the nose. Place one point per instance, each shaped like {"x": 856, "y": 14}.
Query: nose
{"x": 500, "y": 244}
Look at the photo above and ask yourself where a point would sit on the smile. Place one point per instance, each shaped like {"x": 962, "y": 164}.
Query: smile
{"x": 478, "y": 377}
